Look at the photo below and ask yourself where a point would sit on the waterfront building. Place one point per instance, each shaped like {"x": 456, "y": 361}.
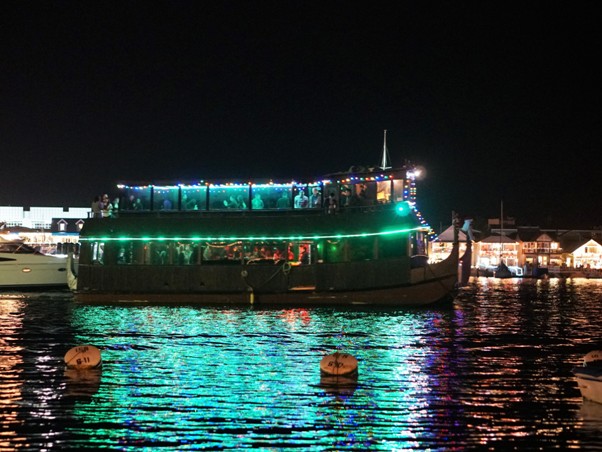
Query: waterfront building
{"x": 48, "y": 228}
{"x": 558, "y": 252}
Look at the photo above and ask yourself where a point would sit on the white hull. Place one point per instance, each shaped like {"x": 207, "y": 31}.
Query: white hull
{"x": 32, "y": 270}
{"x": 591, "y": 389}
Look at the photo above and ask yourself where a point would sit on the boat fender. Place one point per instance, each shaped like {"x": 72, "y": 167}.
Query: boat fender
{"x": 83, "y": 357}
{"x": 244, "y": 273}
{"x": 593, "y": 358}
{"x": 338, "y": 364}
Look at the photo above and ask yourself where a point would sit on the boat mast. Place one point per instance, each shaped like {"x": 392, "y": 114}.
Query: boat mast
{"x": 501, "y": 227}
{"x": 384, "y": 164}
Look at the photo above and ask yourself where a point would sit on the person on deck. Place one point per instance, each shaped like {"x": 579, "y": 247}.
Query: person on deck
{"x": 301, "y": 200}
{"x": 315, "y": 198}
{"x": 96, "y": 207}
{"x": 283, "y": 201}
{"x": 107, "y": 206}
{"x": 257, "y": 202}
{"x": 331, "y": 203}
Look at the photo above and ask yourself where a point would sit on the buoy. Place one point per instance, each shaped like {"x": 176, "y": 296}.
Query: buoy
{"x": 83, "y": 357}
{"x": 338, "y": 364}
{"x": 593, "y": 358}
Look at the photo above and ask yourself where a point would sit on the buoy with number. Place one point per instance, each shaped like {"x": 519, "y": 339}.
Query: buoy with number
{"x": 83, "y": 357}
{"x": 339, "y": 364}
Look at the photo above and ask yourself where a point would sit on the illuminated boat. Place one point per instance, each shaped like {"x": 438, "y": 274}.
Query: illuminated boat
{"x": 225, "y": 243}
{"x": 589, "y": 376}
{"x": 22, "y": 266}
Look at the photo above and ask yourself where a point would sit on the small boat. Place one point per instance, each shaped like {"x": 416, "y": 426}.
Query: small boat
{"x": 23, "y": 267}
{"x": 589, "y": 376}
{"x": 502, "y": 271}
{"x": 351, "y": 238}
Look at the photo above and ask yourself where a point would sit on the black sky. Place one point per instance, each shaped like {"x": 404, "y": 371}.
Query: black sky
{"x": 497, "y": 100}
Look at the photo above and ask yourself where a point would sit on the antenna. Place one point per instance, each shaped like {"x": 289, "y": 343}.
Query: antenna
{"x": 385, "y": 161}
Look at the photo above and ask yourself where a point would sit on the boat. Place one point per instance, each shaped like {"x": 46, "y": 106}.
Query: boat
{"x": 22, "y": 266}
{"x": 215, "y": 243}
{"x": 502, "y": 271}
{"x": 589, "y": 376}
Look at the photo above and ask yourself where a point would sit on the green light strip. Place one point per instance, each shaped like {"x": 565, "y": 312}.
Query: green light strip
{"x": 249, "y": 238}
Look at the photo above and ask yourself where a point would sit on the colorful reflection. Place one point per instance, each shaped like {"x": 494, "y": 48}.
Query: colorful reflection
{"x": 240, "y": 378}
{"x": 491, "y": 372}
{"x": 11, "y": 360}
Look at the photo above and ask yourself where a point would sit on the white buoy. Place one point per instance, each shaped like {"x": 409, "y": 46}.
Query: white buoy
{"x": 83, "y": 357}
{"x": 339, "y": 364}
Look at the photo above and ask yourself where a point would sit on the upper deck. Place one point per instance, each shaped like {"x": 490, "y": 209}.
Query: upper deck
{"x": 344, "y": 190}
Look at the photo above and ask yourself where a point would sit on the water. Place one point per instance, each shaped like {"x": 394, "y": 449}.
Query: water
{"x": 491, "y": 372}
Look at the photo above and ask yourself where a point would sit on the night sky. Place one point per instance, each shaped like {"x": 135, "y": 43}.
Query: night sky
{"x": 498, "y": 101}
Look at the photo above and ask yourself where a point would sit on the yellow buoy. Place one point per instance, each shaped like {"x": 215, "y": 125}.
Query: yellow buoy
{"x": 339, "y": 364}
{"x": 83, "y": 357}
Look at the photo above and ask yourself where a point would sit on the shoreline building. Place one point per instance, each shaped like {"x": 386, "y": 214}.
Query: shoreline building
{"x": 533, "y": 251}
{"x": 48, "y": 228}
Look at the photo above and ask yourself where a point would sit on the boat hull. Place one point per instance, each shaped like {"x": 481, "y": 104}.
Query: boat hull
{"x": 441, "y": 290}
{"x": 390, "y": 283}
{"x": 589, "y": 381}
{"x": 22, "y": 271}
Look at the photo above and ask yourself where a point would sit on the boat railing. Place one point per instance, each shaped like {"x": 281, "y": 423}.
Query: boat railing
{"x": 260, "y": 212}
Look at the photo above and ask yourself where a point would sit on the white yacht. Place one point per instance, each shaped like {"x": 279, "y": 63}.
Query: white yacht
{"x": 22, "y": 266}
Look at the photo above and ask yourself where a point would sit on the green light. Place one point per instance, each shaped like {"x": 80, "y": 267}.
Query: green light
{"x": 252, "y": 238}
{"x": 403, "y": 209}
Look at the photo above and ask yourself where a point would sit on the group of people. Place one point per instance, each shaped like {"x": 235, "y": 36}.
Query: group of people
{"x": 302, "y": 201}
{"x": 235, "y": 202}
{"x": 102, "y": 207}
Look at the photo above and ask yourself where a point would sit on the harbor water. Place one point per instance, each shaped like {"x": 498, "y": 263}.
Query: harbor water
{"x": 491, "y": 371}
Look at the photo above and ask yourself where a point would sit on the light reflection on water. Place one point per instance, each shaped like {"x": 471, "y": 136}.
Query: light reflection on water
{"x": 492, "y": 371}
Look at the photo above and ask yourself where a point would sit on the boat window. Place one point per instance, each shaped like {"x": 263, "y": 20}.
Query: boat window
{"x": 125, "y": 253}
{"x": 346, "y": 196}
{"x": 128, "y": 253}
{"x": 98, "y": 252}
{"x": 285, "y": 197}
{"x": 159, "y": 253}
{"x": 228, "y": 197}
{"x": 194, "y": 197}
{"x": 418, "y": 243}
{"x": 301, "y": 253}
{"x": 267, "y": 196}
{"x": 399, "y": 193}
{"x": 316, "y": 199}
{"x": 301, "y": 200}
{"x": 166, "y": 198}
{"x": 383, "y": 192}
{"x": 221, "y": 252}
{"x": 185, "y": 253}
{"x": 258, "y": 253}
{"x": 334, "y": 250}
{"x": 135, "y": 198}
{"x": 366, "y": 192}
